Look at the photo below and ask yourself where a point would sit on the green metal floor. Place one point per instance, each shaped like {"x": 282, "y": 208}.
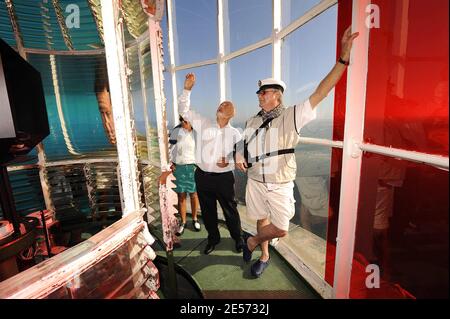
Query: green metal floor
{"x": 223, "y": 273}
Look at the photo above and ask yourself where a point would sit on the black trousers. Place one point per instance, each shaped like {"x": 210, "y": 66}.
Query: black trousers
{"x": 213, "y": 187}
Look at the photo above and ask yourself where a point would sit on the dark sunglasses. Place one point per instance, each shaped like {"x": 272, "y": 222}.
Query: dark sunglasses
{"x": 263, "y": 92}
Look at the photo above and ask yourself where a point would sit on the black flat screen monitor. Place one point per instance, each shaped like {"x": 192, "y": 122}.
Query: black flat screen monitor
{"x": 23, "y": 114}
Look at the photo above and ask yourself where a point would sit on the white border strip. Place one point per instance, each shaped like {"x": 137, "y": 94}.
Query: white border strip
{"x": 276, "y": 40}
{"x": 118, "y": 82}
{"x": 352, "y": 155}
{"x": 173, "y": 76}
{"x": 220, "y": 60}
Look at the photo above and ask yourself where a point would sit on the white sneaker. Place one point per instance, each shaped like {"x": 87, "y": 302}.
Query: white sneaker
{"x": 181, "y": 229}
{"x": 196, "y": 224}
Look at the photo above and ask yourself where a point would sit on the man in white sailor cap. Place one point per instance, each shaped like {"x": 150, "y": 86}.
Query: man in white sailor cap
{"x": 267, "y": 154}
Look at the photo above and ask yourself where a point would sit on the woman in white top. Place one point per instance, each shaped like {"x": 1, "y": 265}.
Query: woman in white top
{"x": 182, "y": 151}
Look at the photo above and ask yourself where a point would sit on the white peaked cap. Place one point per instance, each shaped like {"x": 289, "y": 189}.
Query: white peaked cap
{"x": 271, "y": 83}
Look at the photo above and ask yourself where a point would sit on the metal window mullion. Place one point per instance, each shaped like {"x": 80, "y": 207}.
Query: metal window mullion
{"x": 311, "y": 14}
{"x": 172, "y": 71}
{"x": 115, "y": 57}
{"x": 220, "y": 57}
{"x": 139, "y": 40}
{"x": 321, "y": 142}
{"x": 352, "y": 155}
{"x": 248, "y": 49}
{"x": 434, "y": 160}
{"x": 276, "y": 40}
{"x": 194, "y": 65}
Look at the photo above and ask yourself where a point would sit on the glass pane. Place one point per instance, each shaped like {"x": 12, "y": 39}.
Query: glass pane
{"x": 153, "y": 151}
{"x": 402, "y": 230}
{"x": 195, "y": 31}
{"x": 246, "y": 22}
{"x": 76, "y": 128}
{"x": 6, "y": 31}
{"x": 243, "y": 74}
{"x": 165, "y": 34}
{"x": 308, "y": 231}
{"x": 205, "y": 93}
{"x": 137, "y": 101}
{"x": 39, "y": 26}
{"x": 167, "y": 87}
{"x": 169, "y": 99}
{"x": 308, "y": 54}
{"x": 334, "y": 198}
{"x": 293, "y": 9}
{"x": 407, "y": 84}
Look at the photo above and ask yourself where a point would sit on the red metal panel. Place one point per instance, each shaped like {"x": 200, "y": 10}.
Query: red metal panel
{"x": 407, "y": 88}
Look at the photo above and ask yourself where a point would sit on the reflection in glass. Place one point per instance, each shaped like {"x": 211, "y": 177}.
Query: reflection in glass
{"x": 165, "y": 35}
{"x": 308, "y": 54}
{"x": 312, "y": 184}
{"x": 293, "y": 9}
{"x": 152, "y": 134}
{"x": 243, "y": 74}
{"x": 140, "y": 119}
{"x": 83, "y": 130}
{"x": 402, "y": 228}
{"x": 195, "y": 31}
{"x": 169, "y": 99}
{"x": 407, "y": 84}
{"x": 246, "y": 22}
{"x": 205, "y": 95}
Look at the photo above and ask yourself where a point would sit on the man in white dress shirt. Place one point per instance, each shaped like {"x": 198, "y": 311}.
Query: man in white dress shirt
{"x": 214, "y": 174}
{"x": 269, "y": 194}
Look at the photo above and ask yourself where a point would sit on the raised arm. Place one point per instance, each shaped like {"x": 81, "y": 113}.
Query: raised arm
{"x": 336, "y": 72}
{"x": 184, "y": 99}
{"x": 184, "y": 103}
